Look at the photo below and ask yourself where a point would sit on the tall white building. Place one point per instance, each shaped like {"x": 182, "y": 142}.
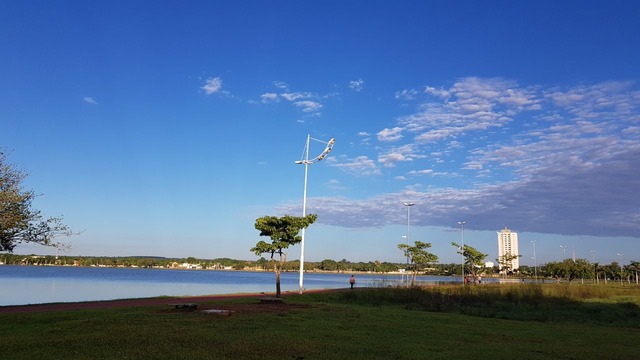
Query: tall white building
{"x": 508, "y": 244}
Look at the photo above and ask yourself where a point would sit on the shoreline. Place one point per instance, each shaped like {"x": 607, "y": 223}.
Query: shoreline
{"x": 142, "y": 302}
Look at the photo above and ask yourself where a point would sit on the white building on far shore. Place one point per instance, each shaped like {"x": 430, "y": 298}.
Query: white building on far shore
{"x": 508, "y": 244}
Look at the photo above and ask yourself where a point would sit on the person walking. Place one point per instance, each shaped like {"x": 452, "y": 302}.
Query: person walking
{"x": 352, "y": 281}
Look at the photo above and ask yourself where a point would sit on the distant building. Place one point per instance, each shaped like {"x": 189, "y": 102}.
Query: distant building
{"x": 508, "y": 244}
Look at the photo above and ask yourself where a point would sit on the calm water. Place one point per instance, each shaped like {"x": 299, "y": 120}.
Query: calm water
{"x": 21, "y": 285}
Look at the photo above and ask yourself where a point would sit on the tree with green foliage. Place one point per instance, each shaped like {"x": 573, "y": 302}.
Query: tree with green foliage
{"x": 418, "y": 256}
{"x": 506, "y": 263}
{"x": 610, "y": 271}
{"x": 328, "y": 265}
{"x": 570, "y": 270}
{"x": 283, "y": 232}
{"x": 633, "y": 268}
{"x": 473, "y": 260}
{"x": 581, "y": 269}
{"x": 19, "y": 221}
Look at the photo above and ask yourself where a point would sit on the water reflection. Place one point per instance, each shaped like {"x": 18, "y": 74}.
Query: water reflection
{"x": 35, "y": 285}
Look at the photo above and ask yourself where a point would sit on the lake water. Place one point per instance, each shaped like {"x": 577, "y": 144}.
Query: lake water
{"x": 20, "y": 285}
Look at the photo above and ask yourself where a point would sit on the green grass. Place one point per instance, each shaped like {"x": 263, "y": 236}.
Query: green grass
{"x": 477, "y": 322}
{"x": 614, "y": 306}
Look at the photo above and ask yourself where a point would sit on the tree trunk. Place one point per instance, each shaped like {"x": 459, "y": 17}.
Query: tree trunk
{"x": 413, "y": 277}
{"x": 276, "y": 270}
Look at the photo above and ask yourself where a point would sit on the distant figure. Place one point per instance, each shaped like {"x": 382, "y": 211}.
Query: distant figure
{"x": 352, "y": 281}
{"x": 479, "y": 279}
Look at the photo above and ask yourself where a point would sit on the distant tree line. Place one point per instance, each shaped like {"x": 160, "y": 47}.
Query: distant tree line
{"x": 567, "y": 270}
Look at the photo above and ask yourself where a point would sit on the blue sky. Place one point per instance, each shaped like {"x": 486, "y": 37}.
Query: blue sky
{"x": 166, "y": 128}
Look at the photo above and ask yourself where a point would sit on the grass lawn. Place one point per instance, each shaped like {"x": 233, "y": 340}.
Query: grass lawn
{"x": 335, "y": 326}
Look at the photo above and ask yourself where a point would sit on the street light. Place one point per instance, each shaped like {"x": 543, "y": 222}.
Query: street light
{"x": 535, "y": 263}
{"x": 595, "y": 268}
{"x": 306, "y": 162}
{"x": 408, "y": 205}
{"x": 406, "y": 253}
{"x": 462, "y": 248}
{"x": 620, "y": 255}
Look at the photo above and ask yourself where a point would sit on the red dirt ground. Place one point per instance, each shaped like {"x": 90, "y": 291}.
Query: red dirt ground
{"x": 168, "y": 301}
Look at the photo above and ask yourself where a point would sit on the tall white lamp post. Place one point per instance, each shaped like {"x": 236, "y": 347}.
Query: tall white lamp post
{"x": 535, "y": 263}
{"x": 306, "y": 162}
{"x": 462, "y": 248}
{"x": 595, "y": 268}
{"x": 620, "y": 255}
{"x": 408, "y": 205}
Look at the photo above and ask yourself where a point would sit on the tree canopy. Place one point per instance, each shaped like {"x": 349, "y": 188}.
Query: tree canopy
{"x": 473, "y": 259}
{"x": 19, "y": 221}
{"x": 283, "y": 232}
{"x": 506, "y": 262}
{"x": 418, "y": 255}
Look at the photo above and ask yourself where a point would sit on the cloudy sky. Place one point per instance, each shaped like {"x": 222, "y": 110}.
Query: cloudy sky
{"x": 166, "y": 129}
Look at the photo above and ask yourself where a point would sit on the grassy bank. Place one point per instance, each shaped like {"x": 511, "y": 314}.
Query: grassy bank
{"x": 602, "y": 305}
{"x": 500, "y": 322}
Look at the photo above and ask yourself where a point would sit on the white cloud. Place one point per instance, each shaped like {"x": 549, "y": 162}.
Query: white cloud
{"x": 399, "y": 154}
{"x": 89, "y": 100}
{"x": 471, "y": 104}
{"x": 308, "y": 105}
{"x": 269, "y": 97}
{"x": 280, "y": 85}
{"x": 363, "y": 133}
{"x": 438, "y": 134}
{"x": 212, "y": 85}
{"x": 560, "y": 160}
{"x": 356, "y": 85}
{"x": 390, "y": 134}
{"x": 421, "y": 172}
{"x": 444, "y": 94}
{"x": 408, "y": 94}
{"x": 296, "y": 95}
{"x": 360, "y": 166}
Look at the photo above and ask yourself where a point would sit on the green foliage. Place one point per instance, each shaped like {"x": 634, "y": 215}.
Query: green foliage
{"x": 569, "y": 269}
{"x": 328, "y": 265}
{"x": 546, "y": 303}
{"x": 419, "y": 256}
{"x": 19, "y": 221}
{"x": 318, "y": 326}
{"x": 283, "y": 232}
{"x": 473, "y": 259}
{"x": 506, "y": 262}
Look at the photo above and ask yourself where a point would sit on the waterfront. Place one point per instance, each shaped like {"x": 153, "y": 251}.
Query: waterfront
{"x": 21, "y": 285}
